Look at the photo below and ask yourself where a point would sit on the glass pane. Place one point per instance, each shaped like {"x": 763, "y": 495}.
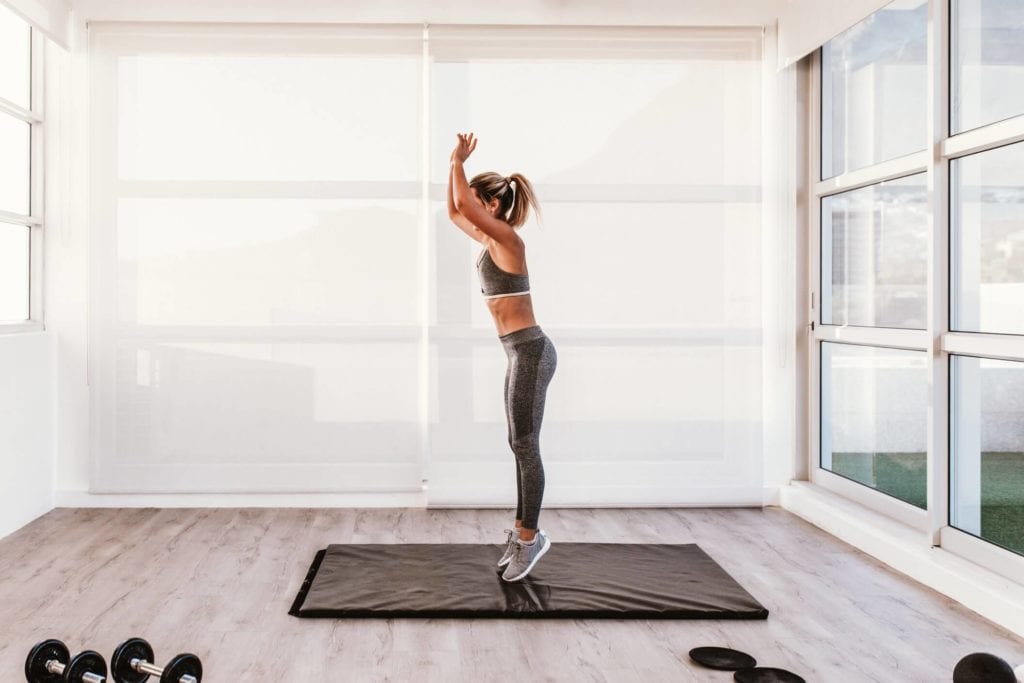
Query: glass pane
{"x": 987, "y": 459}
{"x": 14, "y": 254}
{"x": 15, "y": 169}
{"x": 874, "y": 404}
{"x": 874, "y": 248}
{"x": 279, "y": 117}
{"x": 987, "y": 67}
{"x": 267, "y": 261}
{"x": 15, "y": 59}
{"x": 987, "y": 220}
{"x": 874, "y": 87}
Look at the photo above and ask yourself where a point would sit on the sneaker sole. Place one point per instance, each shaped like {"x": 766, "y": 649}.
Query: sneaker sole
{"x": 529, "y": 566}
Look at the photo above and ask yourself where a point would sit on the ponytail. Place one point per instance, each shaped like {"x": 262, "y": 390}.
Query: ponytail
{"x": 522, "y": 200}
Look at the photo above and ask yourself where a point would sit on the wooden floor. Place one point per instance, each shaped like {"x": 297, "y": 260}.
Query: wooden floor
{"x": 219, "y": 583}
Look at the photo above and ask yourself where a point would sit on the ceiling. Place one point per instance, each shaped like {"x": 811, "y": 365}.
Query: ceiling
{"x": 597, "y": 12}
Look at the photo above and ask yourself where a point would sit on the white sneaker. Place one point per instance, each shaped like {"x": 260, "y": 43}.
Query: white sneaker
{"x": 525, "y": 556}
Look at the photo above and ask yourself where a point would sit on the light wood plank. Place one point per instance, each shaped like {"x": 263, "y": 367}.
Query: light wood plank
{"x": 219, "y": 583}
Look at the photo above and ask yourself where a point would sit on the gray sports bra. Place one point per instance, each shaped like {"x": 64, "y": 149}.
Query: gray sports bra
{"x": 495, "y": 282}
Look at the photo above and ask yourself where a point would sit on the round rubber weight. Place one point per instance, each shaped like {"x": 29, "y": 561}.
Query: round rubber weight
{"x": 766, "y": 674}
{"x": 982, "y": 667}
{"x": 722, "y": 658}
{"x": 121, "y": 663}
{"x": 35, "y": 664}
{"x": 85, "y": 662}
{"x": 181, "y": 665}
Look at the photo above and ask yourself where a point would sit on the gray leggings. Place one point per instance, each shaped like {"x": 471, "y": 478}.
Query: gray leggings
{"x": 531, "y": 365}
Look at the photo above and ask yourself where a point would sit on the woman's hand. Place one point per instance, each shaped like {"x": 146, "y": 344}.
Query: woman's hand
{"x": 464, "y": 147}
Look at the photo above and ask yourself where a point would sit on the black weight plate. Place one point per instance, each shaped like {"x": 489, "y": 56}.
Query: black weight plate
{"x": 983, "y": 667}
{"x": 85, "y": 662}
{"x": 722, "y": 658}
{"x": 766, "y": 674}
{"x": 121, "y": 663}
{"x": 35, "y": 664}
{"x": 179, "y": 666}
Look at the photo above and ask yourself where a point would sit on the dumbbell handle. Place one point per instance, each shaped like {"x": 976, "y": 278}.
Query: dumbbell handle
{"x": 55, "y": 667}
{"x": 142, "y": 666}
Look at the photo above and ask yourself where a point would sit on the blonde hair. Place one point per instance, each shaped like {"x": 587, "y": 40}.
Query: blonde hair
{"x": 515, "y": 194}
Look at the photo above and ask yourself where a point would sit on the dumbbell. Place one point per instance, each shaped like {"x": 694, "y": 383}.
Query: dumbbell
{"x": 51, "y": 662}
{"x": 985, "y": 667}
{"x": 132, "y": 663}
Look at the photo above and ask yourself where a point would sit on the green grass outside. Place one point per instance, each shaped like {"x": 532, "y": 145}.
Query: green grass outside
{"x": 903, "y": 475}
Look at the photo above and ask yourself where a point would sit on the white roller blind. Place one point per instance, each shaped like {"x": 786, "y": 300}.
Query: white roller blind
{"x": 255, "y": 266}
{"x": 280, "y": 303}
{"x": 644, "y": 147}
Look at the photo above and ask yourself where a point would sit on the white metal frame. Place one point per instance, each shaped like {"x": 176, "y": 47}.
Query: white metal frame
{"x": 936, "y": 340}
{"x": 34, "y": 220}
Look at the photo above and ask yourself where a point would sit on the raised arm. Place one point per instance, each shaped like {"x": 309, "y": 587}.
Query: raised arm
{"x": 457, "y": 218}
{"x": 467, "y": 205}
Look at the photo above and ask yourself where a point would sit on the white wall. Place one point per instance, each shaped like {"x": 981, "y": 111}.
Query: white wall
{"x": 26, "y": 428}
{"x": 783, "y": 274}
{"x": 66, "y": 283}
{"x": 595, "y": 12}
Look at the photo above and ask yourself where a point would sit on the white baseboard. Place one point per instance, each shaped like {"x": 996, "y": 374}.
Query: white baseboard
{"x": 910, "y": 552}
{"x": 601, "y": 496}
{"x": 84, "y": 499}
{"x": 452, "y": 497}
{"x": 771, "y": 496}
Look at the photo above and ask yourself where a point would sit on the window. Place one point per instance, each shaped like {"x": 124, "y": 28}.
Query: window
{"x": 987, "y": 62}
{"x": 874, "y": 241}
{"x": 284, "y": 280}
{"x": 919, "y": 278}
{"x": 16, "y": 122}
{"x": 873, "y": 89}
{"x": 987, "y": 217}
{"x": 987, "y": 454}
{"x": 873, "y": 403}
{"x": 259, "y": 282}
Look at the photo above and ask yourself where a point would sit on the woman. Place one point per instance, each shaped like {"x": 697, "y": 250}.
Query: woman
{"x": 490, "y": 209}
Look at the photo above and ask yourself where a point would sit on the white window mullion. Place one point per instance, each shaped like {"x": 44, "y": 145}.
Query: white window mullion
{"x": 999, "y": 346}
{"x": 8, "y": 107}
{"x": 18, "y": 219}
{"x": 36, "y": 206}
{"x": 814, "y": 269}
{"x": 987, "y": 137}
{"x": 938, "y": 275}
{"x": 914, "y": 340}
{"x": 872, "y": 175}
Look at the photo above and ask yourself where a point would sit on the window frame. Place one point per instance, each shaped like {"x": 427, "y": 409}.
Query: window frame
{"x": 936, "y": 340}
{"x": 34, "y": 116}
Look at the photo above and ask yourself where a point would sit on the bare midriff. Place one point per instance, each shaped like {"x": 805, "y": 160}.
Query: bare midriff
{"x": 511, "y": 313}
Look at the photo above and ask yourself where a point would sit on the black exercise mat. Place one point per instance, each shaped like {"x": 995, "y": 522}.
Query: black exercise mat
{"x": 587, "y": 580}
